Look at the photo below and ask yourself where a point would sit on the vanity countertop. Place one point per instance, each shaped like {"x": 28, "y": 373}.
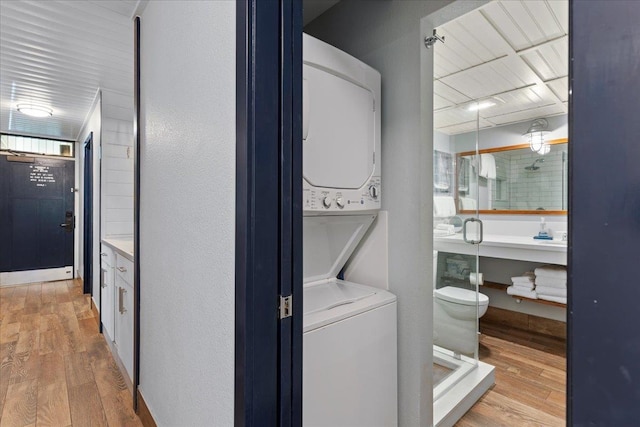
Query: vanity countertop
{"x": 508, "y": 247}
{"x": 122, "y": 244}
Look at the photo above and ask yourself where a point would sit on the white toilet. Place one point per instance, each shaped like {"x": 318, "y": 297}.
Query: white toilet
{"x": 456, "y": 315}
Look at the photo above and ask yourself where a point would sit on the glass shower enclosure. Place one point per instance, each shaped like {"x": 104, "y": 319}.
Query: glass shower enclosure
{"x": 456, "y": 281}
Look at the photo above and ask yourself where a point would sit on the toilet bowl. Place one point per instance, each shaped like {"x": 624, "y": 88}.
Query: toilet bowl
{"x": 461, "y": 303}
{"x": 455, "y": 318}
{"x": 456, "y": 314}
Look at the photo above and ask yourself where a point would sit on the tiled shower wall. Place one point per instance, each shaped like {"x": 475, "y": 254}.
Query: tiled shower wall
{"x": 542, "y": 188}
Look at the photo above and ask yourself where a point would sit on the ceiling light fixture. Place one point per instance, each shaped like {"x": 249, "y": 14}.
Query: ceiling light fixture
{"x": 34, "y": 110}
{"x": 481, "y": 105}
{"x": 536, "y": 134}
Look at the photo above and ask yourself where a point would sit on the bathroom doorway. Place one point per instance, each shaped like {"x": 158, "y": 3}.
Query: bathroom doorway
{"x": 500, "y": 115}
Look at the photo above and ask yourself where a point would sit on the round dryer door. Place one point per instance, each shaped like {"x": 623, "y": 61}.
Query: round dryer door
{"x": 338, "y": 132}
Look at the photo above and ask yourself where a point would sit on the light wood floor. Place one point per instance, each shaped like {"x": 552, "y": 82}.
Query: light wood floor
{"x": 56, "y": 369}
{"x": 530, "y": 380}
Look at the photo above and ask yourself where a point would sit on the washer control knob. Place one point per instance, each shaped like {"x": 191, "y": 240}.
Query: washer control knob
{"x": 373, "y": 191}
{"x": 326, "y": 202}
{"x": 340, "y": 202}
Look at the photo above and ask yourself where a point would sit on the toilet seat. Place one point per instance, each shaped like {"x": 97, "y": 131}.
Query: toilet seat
{"x": 460, "y": 296}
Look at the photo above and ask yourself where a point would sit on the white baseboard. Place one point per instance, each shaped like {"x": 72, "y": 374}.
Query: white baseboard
{"x": 13, "y": 278}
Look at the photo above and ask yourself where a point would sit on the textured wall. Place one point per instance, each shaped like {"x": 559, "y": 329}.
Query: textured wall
{"x": 187, "y": 224}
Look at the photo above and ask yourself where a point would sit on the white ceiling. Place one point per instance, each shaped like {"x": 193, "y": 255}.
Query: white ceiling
{"x": 516, "y": 51}
{"x": 57, "y": 54}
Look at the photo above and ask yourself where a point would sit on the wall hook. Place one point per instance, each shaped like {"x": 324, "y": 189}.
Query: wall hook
{"x": 431, "y": 40}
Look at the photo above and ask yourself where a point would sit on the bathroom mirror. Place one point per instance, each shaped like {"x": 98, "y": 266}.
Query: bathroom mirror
{"x": 525, "y": 182}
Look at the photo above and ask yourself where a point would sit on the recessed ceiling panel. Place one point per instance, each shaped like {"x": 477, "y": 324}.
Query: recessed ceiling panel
{"x": 561, "y": 88}
{"x": 510, "y": 30}
{"x": 529, "y": 114}
{"x": 454, "y": 116}
{"x": 520, "y": 100}
{"x": 465, "y": 127}
{"x": 440, "y": 102}
{"x": 448, "y": 93}
{"x": 516, "y": 51}
{"x": 492, "y": 78}
{"x": 560, "y": 11}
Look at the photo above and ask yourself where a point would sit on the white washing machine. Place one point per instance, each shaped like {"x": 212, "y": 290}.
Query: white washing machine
{"x": 350, "y": 333}
{"x": 350, "y": 329}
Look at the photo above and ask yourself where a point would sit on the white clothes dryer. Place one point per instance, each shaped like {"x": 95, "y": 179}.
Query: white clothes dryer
{"x": 341, "y": 131}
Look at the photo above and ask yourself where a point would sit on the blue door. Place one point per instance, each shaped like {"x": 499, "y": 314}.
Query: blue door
{"x": 603, "y": 316}
{"x": 36, "y": 215}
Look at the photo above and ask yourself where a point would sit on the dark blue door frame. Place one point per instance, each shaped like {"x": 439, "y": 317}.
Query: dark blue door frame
{"x": 603, "y": 316}
{"x": 87, "y": 215}
{"x": 268, "y": 351}
{"x": 136, "y": 211}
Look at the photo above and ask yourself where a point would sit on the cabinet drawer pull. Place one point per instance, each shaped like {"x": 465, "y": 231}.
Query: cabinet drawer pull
{"x": 121, "y": 292}
{"x": 103, "y": 254}
{"x": 122, "y": 269}
{"x": 104, "y": 281}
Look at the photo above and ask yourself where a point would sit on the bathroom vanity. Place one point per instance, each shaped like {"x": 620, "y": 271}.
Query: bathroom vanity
{"x": 117, "y": 310}
{"x": 520, "y": 248}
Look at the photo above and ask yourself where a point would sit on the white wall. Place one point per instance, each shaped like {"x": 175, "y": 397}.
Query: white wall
{"x": 117, "y": 163}
{"x": 501, "y": 136}
{"x": 441, "y": 142}
{"x": 92, "y": 124}
{"x": 187, "y": 224}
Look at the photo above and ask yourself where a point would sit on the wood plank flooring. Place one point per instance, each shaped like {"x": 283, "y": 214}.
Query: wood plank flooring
{"x": 55, "y": 367}
{"x": 57, "y": 370}
{"x": 530, "y": 380}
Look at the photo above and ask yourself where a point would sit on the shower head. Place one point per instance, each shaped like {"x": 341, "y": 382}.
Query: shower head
{"x": 533, "y": 166}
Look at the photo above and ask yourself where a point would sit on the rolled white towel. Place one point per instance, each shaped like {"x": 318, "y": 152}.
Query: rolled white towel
{"x": 551, "y": 283}
{"x": 550, "y": 291}
{"x": 522, "y": 279}
{"x": 562, "y": 300}
{"x": 528, "y": 286}
{"x": 552, "y": 272}
{"x": 513, "y": 290}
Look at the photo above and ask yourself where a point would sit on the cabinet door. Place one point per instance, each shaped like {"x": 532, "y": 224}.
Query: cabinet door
{"x": 108, "y": 301}
{"x": 124, "y": 324}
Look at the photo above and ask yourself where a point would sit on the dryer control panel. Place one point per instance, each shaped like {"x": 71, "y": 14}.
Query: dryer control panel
{"x": 325, "y": 200}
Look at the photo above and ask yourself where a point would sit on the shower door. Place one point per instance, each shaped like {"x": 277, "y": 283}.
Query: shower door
{"x": 457, "y": 236}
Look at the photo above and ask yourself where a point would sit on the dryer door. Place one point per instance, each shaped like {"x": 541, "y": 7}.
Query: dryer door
{"x": 339, "y": 131}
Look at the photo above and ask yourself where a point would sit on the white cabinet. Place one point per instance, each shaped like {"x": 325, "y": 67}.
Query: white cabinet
{"x": 123, "y": 295}
{"x": 107, "y": 297}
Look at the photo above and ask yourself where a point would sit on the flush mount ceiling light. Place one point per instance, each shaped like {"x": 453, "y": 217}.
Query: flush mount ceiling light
{"x": 481, "y": 105}
{"x": 34, "y": 110}
{"x": 536, "y": 134}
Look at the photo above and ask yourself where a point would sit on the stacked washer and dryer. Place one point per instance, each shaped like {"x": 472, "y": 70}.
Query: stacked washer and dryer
{"x": 350, "y": 329}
